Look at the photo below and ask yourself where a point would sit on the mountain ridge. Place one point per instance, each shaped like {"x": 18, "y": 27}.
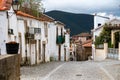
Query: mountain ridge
{"x": 76, "y": 22}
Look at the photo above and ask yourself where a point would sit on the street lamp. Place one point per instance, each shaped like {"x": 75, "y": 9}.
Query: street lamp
{"x": 16, "y": 5}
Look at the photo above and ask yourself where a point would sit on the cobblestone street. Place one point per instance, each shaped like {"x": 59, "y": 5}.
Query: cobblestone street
{"x": 87, "y": 70}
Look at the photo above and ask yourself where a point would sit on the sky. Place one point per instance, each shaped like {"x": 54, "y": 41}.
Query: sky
{"x": 84, "y": 6}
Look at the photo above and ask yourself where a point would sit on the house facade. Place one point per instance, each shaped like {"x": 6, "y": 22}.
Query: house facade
{"x": 110, "y": 48}
{"x": 99, "y": 21}
{"x": 40, "y": 38}
{"x": 29, "y": 38}
{"x": 60, "y": 40}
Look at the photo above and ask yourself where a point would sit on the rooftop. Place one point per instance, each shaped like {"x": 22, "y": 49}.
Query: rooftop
{"x": 88, "y": 43}
{"x": 84, "y": 34}
{"x": 43, "y": 17}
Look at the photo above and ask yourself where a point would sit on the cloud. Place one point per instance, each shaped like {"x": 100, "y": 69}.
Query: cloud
{"x": 79, "y": 6}
{"x": 111, "y": 16}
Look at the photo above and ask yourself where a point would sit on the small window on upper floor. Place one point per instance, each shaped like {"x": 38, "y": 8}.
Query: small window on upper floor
{"x": 99, "y": 24}
{"x": 37, "y": 30}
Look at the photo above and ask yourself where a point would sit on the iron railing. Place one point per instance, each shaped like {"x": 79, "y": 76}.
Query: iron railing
{"x": 113, "y": 53}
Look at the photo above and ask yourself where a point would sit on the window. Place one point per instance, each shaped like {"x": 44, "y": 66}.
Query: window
{"x": 37, "y": 30}
{"x": 99, "y": 24}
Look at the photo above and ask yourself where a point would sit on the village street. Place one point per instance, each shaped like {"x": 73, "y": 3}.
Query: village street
{"x": 87, "y": 70}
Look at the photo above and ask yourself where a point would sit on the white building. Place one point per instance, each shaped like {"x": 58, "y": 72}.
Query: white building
{"x": 99, "y": 21}
{"x": 34, "y": 37}
{"x": 37, "y": 37}
{"x": 8, "y": 29}
{"x": 59, "y": 42}
{"x": 67, "y": 45}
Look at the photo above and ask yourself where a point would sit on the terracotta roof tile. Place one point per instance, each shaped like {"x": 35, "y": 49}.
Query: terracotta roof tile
{"x": 84, "y": 34}
{"x": 5, "y": 5}
{"x": 88, "y": 43}
{"x": 43, "y": 17}
{"x": 20, "y": 13}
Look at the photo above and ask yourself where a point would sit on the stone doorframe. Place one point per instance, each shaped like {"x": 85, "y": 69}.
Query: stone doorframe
{"x": 113, "y": 35}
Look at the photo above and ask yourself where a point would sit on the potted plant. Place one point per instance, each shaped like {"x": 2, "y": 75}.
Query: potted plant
{"x": 12, "y": 47}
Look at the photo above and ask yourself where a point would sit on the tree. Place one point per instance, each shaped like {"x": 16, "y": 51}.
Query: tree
{"x": 36, "y": 5}
{"x": 105, "y": 36}
{"x": 32, "y": 7}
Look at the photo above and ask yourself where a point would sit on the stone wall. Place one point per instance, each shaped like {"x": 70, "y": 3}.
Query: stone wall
{"x": 10, "y": 67}
{"x": 101, "y": 54}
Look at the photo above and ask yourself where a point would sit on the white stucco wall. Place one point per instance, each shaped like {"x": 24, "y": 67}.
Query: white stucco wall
{"x": 67, "y": 45}
{"x": 4, "y": 21}
{"x": 97, "y": 29}
{"x": 3, "y": 32}
{"x": 21, "y": 29}
{"x": 99, "y": 20}
{"x": 45, "y": 39}
{"x": 13, "y": 25}
{"x": 32, "y": 49}
{"x": 52, "y": 39}
{"x": 61, "y": 27}
{"x": 97, "y": 33}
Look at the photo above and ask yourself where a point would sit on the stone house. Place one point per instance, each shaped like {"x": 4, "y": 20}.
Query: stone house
{"x": 87, "y": 49}
{"x": 78, "y": 49}
{"x": 84, "y": 37}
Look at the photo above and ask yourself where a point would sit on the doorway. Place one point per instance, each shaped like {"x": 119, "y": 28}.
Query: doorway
{"x": 59, "y": 53}
{"x": 43, "y": 51}
{"x": 64, "y": 54}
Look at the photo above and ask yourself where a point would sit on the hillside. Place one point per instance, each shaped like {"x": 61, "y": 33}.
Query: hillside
{"x": 76, "y": 22}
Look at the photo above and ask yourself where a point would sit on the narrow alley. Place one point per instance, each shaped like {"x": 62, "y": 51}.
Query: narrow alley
{"x": 86, "y": 70}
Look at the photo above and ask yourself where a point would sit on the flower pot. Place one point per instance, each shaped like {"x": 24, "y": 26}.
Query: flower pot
{"x": 12, "y": 48}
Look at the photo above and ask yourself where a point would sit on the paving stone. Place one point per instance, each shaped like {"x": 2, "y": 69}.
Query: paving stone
{"x": 85, "y": 70}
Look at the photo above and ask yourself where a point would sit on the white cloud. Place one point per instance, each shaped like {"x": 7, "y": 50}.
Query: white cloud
{"x": 80, "y": 5}
{"x": 111, "y": 16}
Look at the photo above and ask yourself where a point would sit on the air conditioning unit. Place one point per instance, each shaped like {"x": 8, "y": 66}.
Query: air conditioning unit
{"x": 10, "y": 31}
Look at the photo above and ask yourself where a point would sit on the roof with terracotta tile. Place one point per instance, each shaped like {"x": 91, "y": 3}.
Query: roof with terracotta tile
{"x": 88, "y": 43}
{"x": 5, "y": 5}
{"x": 20, "y": 13}
{"x": 84, "y": 34}
{"x": 43, "y": 17}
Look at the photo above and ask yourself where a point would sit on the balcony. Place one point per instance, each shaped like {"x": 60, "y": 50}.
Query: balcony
{"x": 60, "y": 39}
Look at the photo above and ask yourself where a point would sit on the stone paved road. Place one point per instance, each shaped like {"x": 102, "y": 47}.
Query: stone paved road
{"x": 87, "y": 70}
